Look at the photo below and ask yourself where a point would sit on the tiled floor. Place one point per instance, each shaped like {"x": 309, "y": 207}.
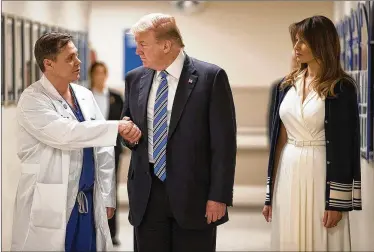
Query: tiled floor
{"x": 246, "y": 231}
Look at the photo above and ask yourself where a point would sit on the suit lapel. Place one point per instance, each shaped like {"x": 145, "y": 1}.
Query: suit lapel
{"x": 144, "y": 89}
{"x": 186, "y": 84}
{"x": 71, "y": 113}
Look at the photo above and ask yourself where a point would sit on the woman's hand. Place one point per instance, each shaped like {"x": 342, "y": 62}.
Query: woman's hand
{"x": 331, "y": 218}
{"x": 267, "y": 213}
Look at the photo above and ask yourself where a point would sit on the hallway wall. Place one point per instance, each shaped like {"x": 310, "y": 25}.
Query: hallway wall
{"x": 249, "y": 39}
{"x": 362, "y": 222}
{"x": 264, "y": 28}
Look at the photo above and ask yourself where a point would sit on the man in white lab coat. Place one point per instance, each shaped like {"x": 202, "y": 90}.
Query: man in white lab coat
{"x": 66, "y": 190}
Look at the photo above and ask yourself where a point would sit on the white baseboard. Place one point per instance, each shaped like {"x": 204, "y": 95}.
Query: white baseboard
{"x": 243, "y": 195}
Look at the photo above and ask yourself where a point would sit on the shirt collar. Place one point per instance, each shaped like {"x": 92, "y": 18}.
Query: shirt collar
{"x": 175, "y": 69}
{"x": 50, "y": 88}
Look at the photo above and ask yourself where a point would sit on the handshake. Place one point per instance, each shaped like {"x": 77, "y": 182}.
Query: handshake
{"x": 129, "y": 131}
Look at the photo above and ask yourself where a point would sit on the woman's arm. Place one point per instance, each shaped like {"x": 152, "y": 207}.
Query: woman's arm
{"x": 281, "y": 142}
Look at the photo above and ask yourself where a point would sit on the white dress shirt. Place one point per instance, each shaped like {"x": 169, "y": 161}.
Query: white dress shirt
{"x": 174, "y": 73}
{"x": 102, "y": 100}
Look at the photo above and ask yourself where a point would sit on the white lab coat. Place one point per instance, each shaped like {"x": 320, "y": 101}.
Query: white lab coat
{"x": 50, "y": 147}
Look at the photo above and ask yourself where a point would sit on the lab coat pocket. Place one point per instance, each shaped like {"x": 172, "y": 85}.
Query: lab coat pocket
{"x": 49, "y": 206}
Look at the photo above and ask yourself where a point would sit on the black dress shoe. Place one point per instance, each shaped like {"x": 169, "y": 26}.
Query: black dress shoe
{"x": 115, "y": 241}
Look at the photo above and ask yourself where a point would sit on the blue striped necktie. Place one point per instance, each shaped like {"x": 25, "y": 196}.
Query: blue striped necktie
{"x": 160, "y": 128}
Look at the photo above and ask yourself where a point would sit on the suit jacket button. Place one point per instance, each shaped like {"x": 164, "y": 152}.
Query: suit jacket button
{"x": 326, "y": 121}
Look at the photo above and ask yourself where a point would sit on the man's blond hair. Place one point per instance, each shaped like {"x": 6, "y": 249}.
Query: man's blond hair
{"x": 163, "y": 25}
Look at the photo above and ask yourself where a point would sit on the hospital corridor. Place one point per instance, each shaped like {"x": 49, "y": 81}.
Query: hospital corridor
{"x": 126, "y": 155}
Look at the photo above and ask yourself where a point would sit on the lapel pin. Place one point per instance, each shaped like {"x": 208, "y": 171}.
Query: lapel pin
{"x": 190, "y": 81}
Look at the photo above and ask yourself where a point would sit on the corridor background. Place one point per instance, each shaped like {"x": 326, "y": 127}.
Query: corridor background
{"x": 249, "y": 40}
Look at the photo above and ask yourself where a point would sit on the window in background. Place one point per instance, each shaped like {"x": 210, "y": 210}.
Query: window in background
{"x": 83, "y": 55}
{"x": 27, "y": 52}
{"x": 18, "y": 60}
{"x": 9, "y": 58}
{"x": 35, "y": 71}
{"x": 2, "y": 59}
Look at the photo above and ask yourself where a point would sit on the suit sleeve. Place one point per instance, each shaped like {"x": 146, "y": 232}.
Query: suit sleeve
{"x": 356, "y": 164}
{"x": 222, "y": 121}
{"x": 126, "y": 112}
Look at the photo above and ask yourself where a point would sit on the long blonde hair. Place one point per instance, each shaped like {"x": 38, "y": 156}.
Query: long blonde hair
{"x": 322, "y": 38}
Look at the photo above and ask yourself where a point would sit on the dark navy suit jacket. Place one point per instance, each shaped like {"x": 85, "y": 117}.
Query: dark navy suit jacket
{"x": 201, "y": 148}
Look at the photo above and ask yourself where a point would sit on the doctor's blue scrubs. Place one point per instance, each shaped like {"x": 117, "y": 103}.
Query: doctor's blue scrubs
{"x": 80, "y": 230}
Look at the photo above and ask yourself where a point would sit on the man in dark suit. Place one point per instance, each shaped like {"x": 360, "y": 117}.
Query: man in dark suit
{"x": 181, "y": 173}
{"x": 110, "y": 104}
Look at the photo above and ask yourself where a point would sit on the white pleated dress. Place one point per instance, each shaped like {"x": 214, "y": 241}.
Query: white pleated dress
{"x": 299, "y": 189}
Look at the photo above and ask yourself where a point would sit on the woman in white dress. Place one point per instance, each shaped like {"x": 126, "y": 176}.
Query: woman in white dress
{"x": 314, "y": 165}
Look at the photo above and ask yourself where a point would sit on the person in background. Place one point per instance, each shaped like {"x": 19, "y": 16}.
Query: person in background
{"x": 110, "y": 104}
{"x": 66, "y": 191}
{"x": 181, "y": 174}
{"x": 314, "y": 172}
{"x": 272, "y": 97}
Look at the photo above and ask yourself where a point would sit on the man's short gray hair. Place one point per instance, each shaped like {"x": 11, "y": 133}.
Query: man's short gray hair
{"x": 163, "y": 25}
